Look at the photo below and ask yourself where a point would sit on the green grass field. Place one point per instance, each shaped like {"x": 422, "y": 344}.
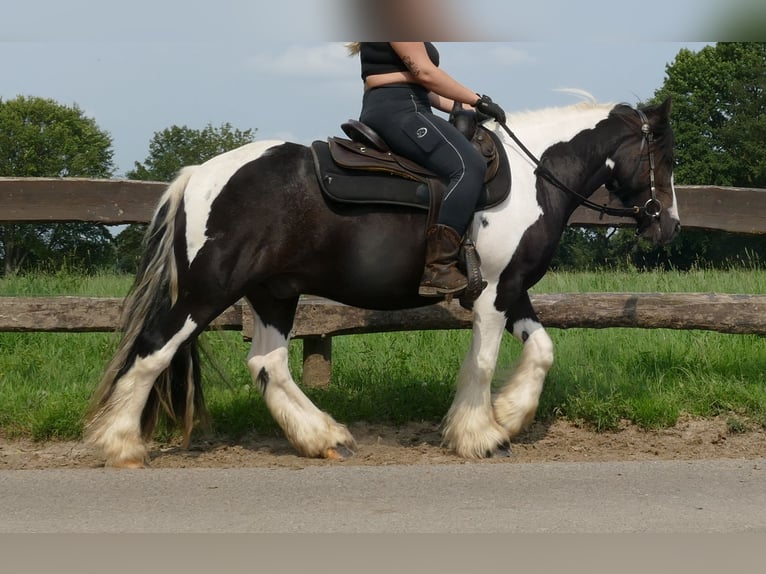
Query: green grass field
{"x": 649, "y": 377}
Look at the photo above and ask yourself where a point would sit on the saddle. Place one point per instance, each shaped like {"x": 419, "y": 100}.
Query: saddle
{"x": 362, "y": 169}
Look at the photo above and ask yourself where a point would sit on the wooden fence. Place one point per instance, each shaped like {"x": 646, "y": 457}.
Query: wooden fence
{"x": 118, "y": 201}
{"x": 739, "y": 210}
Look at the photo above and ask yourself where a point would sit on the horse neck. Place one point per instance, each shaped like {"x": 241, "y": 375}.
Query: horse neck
{"x": 582, "y": 162}
{"x": 541, "y": 129}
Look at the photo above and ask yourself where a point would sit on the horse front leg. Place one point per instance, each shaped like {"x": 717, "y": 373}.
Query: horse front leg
{"x": 312, "y": 432}
{"x": 516, "y": 403}
{"x": 470, "y": 428}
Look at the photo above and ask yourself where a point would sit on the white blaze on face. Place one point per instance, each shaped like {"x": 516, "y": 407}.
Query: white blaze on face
{"x": 207, "y": 182}
{"x": 673, "y": 209}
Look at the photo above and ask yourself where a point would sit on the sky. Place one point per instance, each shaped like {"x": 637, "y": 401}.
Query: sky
{"x": 281, "y": 67}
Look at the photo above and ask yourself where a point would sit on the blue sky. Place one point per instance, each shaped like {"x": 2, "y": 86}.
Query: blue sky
{"x": 281, "y": 68}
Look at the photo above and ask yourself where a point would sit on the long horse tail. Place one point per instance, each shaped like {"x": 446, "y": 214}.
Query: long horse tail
{"x": 178, "y": 390}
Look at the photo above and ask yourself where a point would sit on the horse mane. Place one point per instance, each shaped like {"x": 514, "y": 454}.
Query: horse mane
{"x": 584, "y": 95}
{"x": 552, "y": 113}
{"x": 663, "y": 137}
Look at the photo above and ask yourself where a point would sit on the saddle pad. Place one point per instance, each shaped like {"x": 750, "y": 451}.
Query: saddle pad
{"x": 346, "y": 185}
{"x": 363, "y": 186}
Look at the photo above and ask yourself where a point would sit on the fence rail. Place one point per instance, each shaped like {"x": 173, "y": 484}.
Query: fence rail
{"x": 317, "y": 317}
{"x": 119, "y": 201}
{"x": 737, "y": 210}
{"x": 318, "y": 320}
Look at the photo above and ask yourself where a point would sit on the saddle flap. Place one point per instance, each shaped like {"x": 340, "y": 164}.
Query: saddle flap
{"x": 355, "y": 155}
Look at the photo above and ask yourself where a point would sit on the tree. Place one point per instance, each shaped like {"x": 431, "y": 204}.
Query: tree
{"x": 719, "y": 114}
{"x": 169, "y": 151}
{"x": 42, "y": 138}
{"x": 176, "y": 147}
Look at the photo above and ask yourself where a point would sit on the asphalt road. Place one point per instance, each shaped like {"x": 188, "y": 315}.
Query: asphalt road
{"x": 721, "y": 496}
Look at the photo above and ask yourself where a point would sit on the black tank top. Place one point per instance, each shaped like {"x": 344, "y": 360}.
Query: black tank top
{"x": 380, "y": 58}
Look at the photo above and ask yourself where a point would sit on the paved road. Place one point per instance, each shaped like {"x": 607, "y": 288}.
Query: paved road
{"x": 690, "y": 497}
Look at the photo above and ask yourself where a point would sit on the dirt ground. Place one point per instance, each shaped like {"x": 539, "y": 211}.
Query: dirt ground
{"x": 419, "y": 444}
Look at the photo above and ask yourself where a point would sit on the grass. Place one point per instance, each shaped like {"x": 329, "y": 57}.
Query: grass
{"x": 600, "y": 377}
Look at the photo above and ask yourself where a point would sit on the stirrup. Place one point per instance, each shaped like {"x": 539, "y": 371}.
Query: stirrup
{"x": 433, "y": 291}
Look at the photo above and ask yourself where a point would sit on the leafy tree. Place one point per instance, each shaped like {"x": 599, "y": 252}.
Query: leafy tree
{"x": 42, "y": 138}
{"x": 128, "y": 246}
{"x": 169, "y": 151}
{"x": 176, "y": 147}
{"x": 719, "y": 114}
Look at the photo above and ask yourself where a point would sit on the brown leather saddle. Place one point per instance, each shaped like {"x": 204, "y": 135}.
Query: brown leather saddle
{"x": 362, "y": 169}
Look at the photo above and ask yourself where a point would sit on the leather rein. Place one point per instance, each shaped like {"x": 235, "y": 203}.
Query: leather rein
{"x": 652, "y": 208}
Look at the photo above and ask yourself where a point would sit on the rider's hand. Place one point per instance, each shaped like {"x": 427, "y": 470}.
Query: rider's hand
{"x": 485, "y": 105}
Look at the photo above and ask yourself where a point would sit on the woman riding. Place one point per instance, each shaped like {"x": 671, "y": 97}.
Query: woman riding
{"x": 402, "y": 83}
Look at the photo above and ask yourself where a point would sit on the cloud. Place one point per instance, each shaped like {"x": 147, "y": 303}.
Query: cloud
{"x": 327, "y": 61}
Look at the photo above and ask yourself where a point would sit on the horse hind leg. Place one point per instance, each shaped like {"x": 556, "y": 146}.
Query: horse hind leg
{"x": 312, "y": 432}
{"x": 115, "y": 425}
{"x": 516, "y": 403}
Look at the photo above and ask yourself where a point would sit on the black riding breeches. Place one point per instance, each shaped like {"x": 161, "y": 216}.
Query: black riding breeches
{"x": 402, "y": 115}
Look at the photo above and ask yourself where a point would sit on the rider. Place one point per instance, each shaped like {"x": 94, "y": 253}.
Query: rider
{"x": 402, "y": 82}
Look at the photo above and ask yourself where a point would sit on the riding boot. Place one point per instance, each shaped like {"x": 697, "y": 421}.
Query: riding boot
{"x": 441, "y": 275}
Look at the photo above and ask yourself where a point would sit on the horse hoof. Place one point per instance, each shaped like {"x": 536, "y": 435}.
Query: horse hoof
{"x": 339, "y": 453}
{"x": 502, "y": 451}
{"x": 129, "y": 464}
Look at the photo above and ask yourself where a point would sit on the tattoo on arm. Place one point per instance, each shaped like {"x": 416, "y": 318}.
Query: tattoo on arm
{"x": 411, "y": 66}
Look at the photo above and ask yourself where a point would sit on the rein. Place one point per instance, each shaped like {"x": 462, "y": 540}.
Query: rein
{"x": 652, "y": 208}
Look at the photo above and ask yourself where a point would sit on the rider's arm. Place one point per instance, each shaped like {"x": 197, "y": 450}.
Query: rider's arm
{"x": 439, "y": 102}
{"x": 431, "y": 77}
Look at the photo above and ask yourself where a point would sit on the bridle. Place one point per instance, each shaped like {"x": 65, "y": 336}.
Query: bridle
{"x": 653, "y": 206}
{"x": 651, "y": 209}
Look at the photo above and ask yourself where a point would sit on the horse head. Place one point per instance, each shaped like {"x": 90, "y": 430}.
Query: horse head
{"x": 642, "y": 169}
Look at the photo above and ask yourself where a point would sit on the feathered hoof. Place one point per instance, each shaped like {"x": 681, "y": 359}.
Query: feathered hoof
{"x": 472, "y": 446}
{"x": 338, "y": 453}
{"x": 131, "y": 463}
{"x": 501, "y": 451}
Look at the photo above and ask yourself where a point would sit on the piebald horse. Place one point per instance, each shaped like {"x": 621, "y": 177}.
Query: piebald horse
{"x": 252, "y": 223}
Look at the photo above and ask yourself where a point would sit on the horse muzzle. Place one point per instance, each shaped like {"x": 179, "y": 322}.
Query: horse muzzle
{"x": 659, "y": 228}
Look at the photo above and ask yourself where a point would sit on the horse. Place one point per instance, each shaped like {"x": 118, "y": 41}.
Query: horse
{"x": 253, "y": 224}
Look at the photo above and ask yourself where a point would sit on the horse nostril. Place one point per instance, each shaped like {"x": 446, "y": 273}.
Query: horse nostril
{"x": 678, "y": 227}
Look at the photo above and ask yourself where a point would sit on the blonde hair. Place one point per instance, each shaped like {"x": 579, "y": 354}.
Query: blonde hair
{"x": 353, "y": 48}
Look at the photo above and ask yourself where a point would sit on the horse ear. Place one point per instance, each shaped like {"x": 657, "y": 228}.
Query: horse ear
{"x": 659, "y": 114}
{"x": 666, "y": 107}
{"x": 663, "y": 111}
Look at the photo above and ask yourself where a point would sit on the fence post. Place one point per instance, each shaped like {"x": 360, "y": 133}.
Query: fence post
{"x": 317, "y": 361}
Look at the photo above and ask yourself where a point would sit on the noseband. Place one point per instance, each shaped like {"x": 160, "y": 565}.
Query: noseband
{"x": 651, "y": 209}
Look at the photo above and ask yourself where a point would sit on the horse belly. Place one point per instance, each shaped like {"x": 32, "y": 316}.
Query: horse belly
{"x": 374, "y": 264}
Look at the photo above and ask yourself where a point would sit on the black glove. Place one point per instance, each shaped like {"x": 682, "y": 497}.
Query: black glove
{"x": 485, "y": 105}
